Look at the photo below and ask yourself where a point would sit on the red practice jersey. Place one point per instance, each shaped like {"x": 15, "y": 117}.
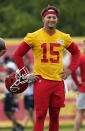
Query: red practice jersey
{"x": 82, "y": 74}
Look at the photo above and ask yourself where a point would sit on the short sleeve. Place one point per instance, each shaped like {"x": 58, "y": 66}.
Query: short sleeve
{"x": 29, "y": 39}
{"x": 68, "y": 41}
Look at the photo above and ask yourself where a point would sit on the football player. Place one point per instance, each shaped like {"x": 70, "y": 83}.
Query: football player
{"x": 80, "y": 83}
{"x": 47, "y": 45}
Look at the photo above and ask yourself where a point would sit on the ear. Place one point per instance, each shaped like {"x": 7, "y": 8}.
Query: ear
{"x": 42, "y": 18}
{"x": 57, "y": 19}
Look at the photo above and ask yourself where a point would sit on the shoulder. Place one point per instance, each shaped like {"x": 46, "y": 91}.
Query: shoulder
{"x": 35, "y": 33}
{"x": 64, "y": 35}
{"x": 30, "y": 38}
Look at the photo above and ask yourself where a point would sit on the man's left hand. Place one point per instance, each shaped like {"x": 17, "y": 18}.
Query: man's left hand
{"x": 65, "y": 73}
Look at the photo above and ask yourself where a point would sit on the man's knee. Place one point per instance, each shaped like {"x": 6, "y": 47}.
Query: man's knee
{"x": 54, "y": 112}
{"x": 41, "y": 114}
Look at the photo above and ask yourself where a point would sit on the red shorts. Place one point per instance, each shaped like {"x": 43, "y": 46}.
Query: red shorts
{"x": 48, "y": 93}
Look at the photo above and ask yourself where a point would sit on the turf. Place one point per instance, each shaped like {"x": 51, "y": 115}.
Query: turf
{"x": 62, "y": 128}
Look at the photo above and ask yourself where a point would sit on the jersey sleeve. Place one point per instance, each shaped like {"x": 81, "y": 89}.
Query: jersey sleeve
{"x": 20, "y": 51}
{"x": 74, "y": 77}
{"x": 29, "y": 39}
{"x": 68, "y": 41}
{"x": 75, "y": 56}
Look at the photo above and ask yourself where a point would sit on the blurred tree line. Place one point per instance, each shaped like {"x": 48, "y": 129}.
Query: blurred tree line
{"x": 18, "y": 17}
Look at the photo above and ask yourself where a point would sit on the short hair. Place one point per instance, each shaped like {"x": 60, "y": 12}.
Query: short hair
{"x": 50, "y": 7}
{"x": 2, "y": 44}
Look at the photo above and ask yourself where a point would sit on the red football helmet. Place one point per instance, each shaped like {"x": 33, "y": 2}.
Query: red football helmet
{"x": 17, "y": 82}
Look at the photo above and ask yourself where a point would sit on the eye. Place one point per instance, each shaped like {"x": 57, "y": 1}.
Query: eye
{"x": 54, "y": 17}
{"x": 48, "y": 17}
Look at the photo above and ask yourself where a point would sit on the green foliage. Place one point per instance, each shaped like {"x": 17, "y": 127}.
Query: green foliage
{"x": 17, "y": 17}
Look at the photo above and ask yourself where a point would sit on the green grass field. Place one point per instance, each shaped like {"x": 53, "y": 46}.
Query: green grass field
{"x": 62, "y": 128}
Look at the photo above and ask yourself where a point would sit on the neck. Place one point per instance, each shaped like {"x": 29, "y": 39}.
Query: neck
{"x": 50, "y": 31}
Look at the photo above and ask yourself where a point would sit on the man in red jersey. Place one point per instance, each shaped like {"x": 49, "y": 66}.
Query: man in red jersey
{"x": 47, "y": 45}
{"x": 80, "y": 102}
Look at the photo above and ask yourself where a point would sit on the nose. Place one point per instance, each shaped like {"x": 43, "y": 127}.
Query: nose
{"x": 51, "y": 19}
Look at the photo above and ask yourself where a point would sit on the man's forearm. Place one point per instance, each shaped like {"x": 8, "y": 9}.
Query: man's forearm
{"x": 75, "y": 52}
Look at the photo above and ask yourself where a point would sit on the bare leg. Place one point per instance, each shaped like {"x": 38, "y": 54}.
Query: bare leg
{"x": 78, "y": 120}
{"x": 12, "y": 117}
{"x": 28, "y": 115}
